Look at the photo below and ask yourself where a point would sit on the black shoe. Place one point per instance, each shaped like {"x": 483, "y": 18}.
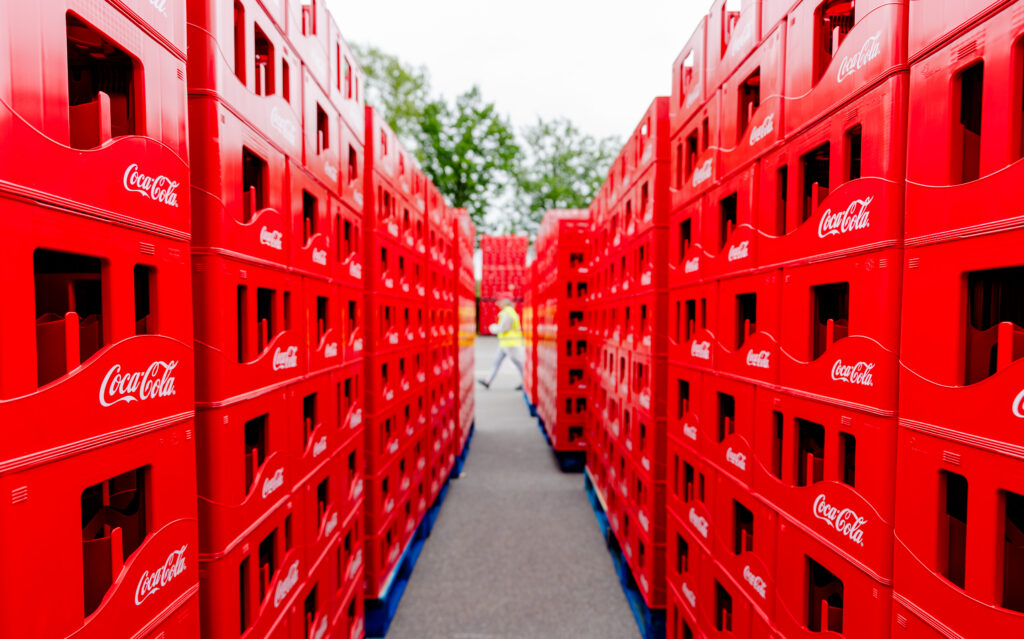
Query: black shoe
{"x": 484, "y": 383}
{"x": 519, "y": 388}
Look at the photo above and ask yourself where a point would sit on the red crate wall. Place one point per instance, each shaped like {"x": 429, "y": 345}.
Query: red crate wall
{"x": 96, "y": 359}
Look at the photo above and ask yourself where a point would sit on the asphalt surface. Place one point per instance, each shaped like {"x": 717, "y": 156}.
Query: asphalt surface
{"x": 516, "y": 552}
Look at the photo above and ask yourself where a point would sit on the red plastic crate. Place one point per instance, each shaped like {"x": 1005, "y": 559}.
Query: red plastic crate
{"x": 246, "y": 467}
{"x": 723, "y": 610}
{"x": 352, "y": 307}
{"x": 100, "y": 337}
{"x": 957, "y": 554}
{"x": 745, "y": 543}
{"x": 350, "y": 612}
{"x": 838, "y": 187}
{"x": 249, "y": 335}
{"x": 949, "y": 173}
{"x": 683, "y": 559}
{"x": 695, "y": 155}
{"x": 121, "y": 156}
{"x": 308, "y": 27}
{"x": 383, "y": 438}
{"x": 749, "y": 325}
{"x": 943, "y": 21}
{"x": 692, "y": 490}
{"x": 692, "y": 312}
{"x": 382, "y": 553}
{"x": 835, "y": 49}
{"x": 313, "y": 612}
{"x": 728, "y": 433}
{"x": 311, "y": 224}
{"x": 645, "y": 558}
{"x": 685, "y": 244}
{"x": 732, "y": 36}
{"x": 238, "y": 56}
{"x": 347, "y": 87}
{"x": 841, "y": 336}
{"x": 256, "y": 582}
{"x": 684, "y": 402}
{"x": 680, "y": 620}
{"x": 239, "y": 187}
{"x": 324, "y": 313}
{"x": 961, "y": 366}
{"x": 316, "y": 431}
{"x": 731, "y": 236}
{"x": 689, "y": 78}
{"x": 325, "y": 508}
{"x": 751, "y": 103}
{"x": 114, "y": 540}
{"x": 830, "y": 471}
{"x": 827, "y": 596}
{"x": 321, "y": 153}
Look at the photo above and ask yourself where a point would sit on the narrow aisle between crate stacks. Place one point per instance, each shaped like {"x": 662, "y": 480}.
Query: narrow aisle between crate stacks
{"x": 515, "y": 552}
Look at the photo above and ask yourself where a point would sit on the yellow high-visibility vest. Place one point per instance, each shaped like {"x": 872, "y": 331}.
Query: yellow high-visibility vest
{"x": 513, "y": 336}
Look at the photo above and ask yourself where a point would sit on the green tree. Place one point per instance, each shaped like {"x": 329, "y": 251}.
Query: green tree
{"x": 398, "y": 90}
{"x": 469, "y": 151}
{"x": 562, "y": 168}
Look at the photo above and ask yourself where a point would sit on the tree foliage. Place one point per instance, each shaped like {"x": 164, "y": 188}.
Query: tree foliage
{"x": 562, "y": 168}
{"x": 472, "y": 153}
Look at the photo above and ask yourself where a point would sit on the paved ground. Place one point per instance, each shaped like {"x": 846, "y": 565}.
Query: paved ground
{"x": 516, "y": 552}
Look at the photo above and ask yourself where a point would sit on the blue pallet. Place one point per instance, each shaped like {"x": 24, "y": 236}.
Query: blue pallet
{"x": 380, "y": 612}
{"x": 532, "y": 407}
{"x": 651, "y": 622}
{"x": 568, "y": 461}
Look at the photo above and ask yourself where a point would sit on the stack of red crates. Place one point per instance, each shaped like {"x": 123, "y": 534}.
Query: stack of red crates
{"x": 561, "y": 355}
{"x": 276, "y": 126}
{"x": 627, "y": 307}
{"x": 465, "y": 243}
{"x": 959, "y": 552}
{"x": 96, "y": 369}
{"x": 785, "y": 256}
{"x": 396, "y": 325}
{"x": 529, "y": 323}
{"x": 502, "y": 273}
{"x": 442, "y": 349}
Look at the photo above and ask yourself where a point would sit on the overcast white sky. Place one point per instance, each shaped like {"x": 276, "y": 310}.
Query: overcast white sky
{"x": 599, "y": 63}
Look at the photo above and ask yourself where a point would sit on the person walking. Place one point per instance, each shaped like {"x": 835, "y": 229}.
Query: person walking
{"x": 510, "y": 340}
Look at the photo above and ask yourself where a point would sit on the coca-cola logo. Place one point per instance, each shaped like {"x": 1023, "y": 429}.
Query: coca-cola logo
{"x": 319, "y": 257}
{"x": 160, "y": 189}
{"x": 357, "y": 629}
{"x": 692, "y": 265}
{"x": 736, "y": 458}
{"x": 644, "y": 521}
{"x": 689, "y": 595}
{"x": 355, "y": 271}
{"x": 844, "y": 520}
{"x": 1018, "y": 405}
{"x": 702, "y": 173}
{"x": 156, "y": 381}
{"x": 643, "y": 582}
{"x": 285, "y": 585}
{"x": 272, "y": 483}
{"x": 331, "y": 350}
{"x": 357, "y": 561}
{"x": 739, "y": 251}
{"x": 331, "y": 171}
{"x": 273, "y": 239}
{"x": 284, "y": 125}
{"x": 356, "y": 420}
{"x": 858, "y": 374}
{"x": 700, "y": 523}
{"x": 152, "y": 582}
{"x": 689, "y": 430}
{"x": 854, "y": 218}
{"x": 321, "y": 629}
{"x": 159, "y": 5}
{"x": 320, "y": 447}
{"x": 756, "y": 582}
{"x": 760, "y": 359}
{"x": 288, "y": 358}
{"x": 331, "y": 524}
{"x": 762, "y": 130}
{"x": 854, "y": 63}
{"x": 701, "y": 350}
